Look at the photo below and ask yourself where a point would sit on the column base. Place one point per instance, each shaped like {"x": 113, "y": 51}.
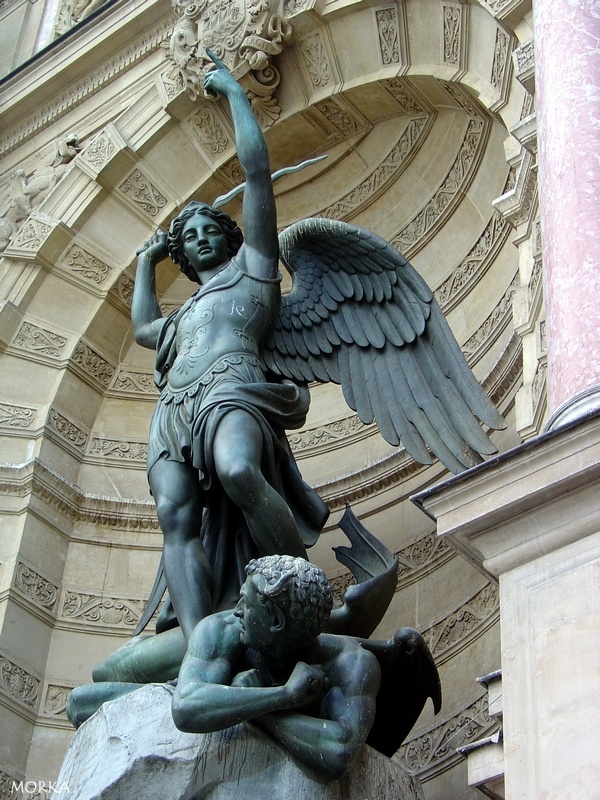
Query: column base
{"x": 574, "y": 408}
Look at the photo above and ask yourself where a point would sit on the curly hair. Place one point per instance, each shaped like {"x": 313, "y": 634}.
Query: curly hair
{"x": 230, "y": 229}
{"x": 297, "y": 587}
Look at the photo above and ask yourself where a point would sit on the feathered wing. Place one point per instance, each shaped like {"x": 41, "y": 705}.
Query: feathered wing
{"x": 361, "y": 316}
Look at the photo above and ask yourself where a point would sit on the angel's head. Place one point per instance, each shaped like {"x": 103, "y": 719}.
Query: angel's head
{"x": 175, "y": 241}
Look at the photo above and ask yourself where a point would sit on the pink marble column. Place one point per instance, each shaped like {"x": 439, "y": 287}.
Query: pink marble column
{"x": 567, "y": 53}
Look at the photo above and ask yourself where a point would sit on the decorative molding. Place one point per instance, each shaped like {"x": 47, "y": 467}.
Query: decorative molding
{"x": 31, "y": 584}
{"x": 434, "y": 750}
{"x": 39, "y": 342}
{"x": 452, "y": 36}
{"x": 128, "y": 382}
{"x": 119, "y": 450}
{"x": 140, "y": 190}
{"x": 501, "y": 61}
{"x": 405, "y": 96}
{"x": 463, "y": 98}
{"x": 17, "y": 683}
{"x": 100, "y": 610}
{"x": 100, "y": 150}
{"x": 16, "y": 417}
{"x": 326, "y": 437}
{"x": 453, "y": 188}
{"x": 84, "y": 265}
{"x": 507, "y": 374}
{"x": 8, "y": 786}
{"x": 34, "y": 233}
{"x": 339, "y": 116}
{"x": 109, "y": 71}
{"x": 92, "y": 365}
{"x": 210, "y": 131}
{"x": 54, "y": 700}
{"x": 316, "y": 60}
{"x": 389, "y": 169}
{"x": 474, "y": 266}
{"x": 494, "y": 322}
{"x": 112, "y": 513}
{"x": 466, "y": 623}
{"x": 67, "y": 431}
{"x": 121, "y": 293}
{"x": 389, "y": 35}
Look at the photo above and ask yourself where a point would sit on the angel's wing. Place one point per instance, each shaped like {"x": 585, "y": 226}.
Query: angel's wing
{"x": 361, "y": 316}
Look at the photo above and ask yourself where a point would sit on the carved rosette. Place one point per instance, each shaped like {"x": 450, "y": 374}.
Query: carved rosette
{"x": 245, "y": 34}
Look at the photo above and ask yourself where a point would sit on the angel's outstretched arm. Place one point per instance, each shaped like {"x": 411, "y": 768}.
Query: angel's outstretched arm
{"x": 259, "y": 215}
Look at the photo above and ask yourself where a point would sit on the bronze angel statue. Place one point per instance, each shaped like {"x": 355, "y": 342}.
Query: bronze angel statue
{"x": 233, "y": 365}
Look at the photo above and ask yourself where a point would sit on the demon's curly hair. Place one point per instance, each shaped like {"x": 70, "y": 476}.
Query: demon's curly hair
{"x": 233, "y": 234}
{"x": 297, "y": 587}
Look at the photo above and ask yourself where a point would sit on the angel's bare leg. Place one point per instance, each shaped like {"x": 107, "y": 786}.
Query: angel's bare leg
{"x": 238, "y": 453}
{"x": 179, "y": 507}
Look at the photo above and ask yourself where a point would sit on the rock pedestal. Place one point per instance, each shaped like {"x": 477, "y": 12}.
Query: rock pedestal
{"x": 130, "y": 750}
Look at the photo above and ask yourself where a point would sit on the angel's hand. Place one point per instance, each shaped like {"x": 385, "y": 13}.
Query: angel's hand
{"x": 219, "y": 80}
{"x": 155, "y": 249}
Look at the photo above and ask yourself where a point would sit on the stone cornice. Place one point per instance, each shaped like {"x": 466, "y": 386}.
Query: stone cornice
{"x": 80, "y": 54}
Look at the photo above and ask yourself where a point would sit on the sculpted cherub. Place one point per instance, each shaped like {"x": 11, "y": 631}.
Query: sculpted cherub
{"x": 233, "y": 366}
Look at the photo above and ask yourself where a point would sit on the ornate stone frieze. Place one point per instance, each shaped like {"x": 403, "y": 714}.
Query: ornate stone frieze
{"x": 462, "y": 97}
{"x": 32, "y": 236}
{"x": 492, "y": 325}
{"x": 84, "y": 265}
{"x": 109, "y": 71}
{"x": 538, "y": 385}
{"x": 339, "y": 116}
{"x": 119, "y": 450}
{"x": 405, "y": 96}
{"x": 19, "y": 684}
{"x": 472, "y": 268}
{"x": 389, "y": 169}
{"x": 67, "y": 431}
{"x": 316, "y": 60}
{"x": 519, "y": 203}
{"x": 143, "y": 194}
{"x": 210, "y": 131}
{"x": 326, "y": 437}
{"x": 92, "y": 365}
{"x": 389, "y": 35}
{"x": 434, "y": 750}
{"x": 99, "y": 610}
{"x": 127, "y": 381}
{"x": 100, "y": 151}
{"x": 501, "y": 59}
{"x": 40, "y": 342}
{"x": 507, "y": 373}
{"x": 16, "y": 417}
{"x": 122, "y": 292}
{"x": 39, "y": 590}
{"x": 542, "y": 337}
{"x": 455, "y": 631}
{"x": 452, "y": 16}
{"x": 454, "y": 186}
{"x": 54, "y": 701}
{"x": 8, "y": 787}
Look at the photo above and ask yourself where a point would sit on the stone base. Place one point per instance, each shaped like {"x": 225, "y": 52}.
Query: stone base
{"x": 130, "y": 750}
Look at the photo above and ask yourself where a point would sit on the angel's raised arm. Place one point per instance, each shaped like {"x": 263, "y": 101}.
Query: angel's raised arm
{"x": 259, "y": 215}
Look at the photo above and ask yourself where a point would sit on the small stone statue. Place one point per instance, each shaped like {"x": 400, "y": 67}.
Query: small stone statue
{"x": 234, "y": 362}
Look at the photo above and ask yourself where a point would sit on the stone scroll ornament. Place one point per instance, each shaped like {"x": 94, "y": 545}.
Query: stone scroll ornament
{"x": 243, "y": 34}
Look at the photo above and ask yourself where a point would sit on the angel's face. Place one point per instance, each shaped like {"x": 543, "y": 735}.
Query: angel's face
{"x": 204, "y": 244}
